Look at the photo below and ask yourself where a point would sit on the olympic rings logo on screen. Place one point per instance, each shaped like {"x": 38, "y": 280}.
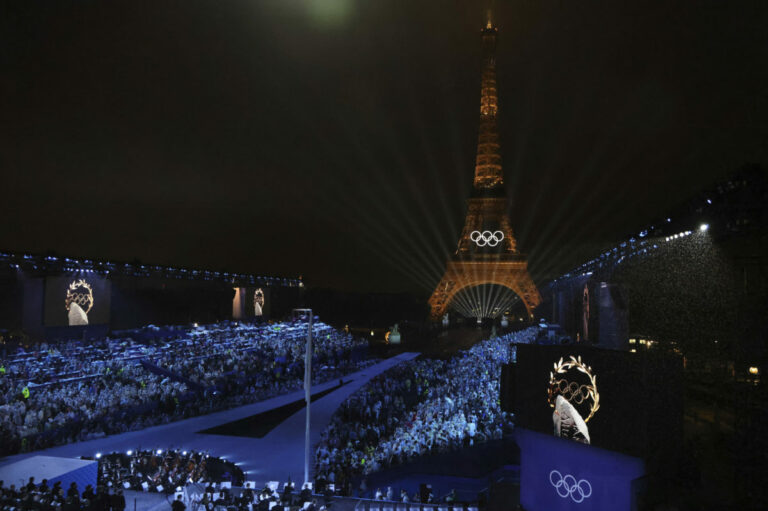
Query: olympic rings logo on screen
{"x": 572, "y": 391}
{"x": 567, "y": 486}
{"x": 81, "y": 293}
{"x": 488, "y": 238}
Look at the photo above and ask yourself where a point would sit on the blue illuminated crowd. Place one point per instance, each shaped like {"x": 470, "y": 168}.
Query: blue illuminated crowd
{"x": 417, "y": 408}
{"x": 73, "y": 391}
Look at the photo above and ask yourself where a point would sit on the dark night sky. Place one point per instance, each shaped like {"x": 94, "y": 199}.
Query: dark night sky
{"x": 335, "y": 138}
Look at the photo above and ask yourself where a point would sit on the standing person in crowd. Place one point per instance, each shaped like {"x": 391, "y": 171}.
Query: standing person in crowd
{"x": 118, "y": 501}
{"x": 178, "y": 504}
{"x": 89, "y": 494}
{"x": 363, "y": 488}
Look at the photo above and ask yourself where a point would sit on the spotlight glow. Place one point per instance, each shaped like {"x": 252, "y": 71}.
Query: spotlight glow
{"x": 703, "y": 227}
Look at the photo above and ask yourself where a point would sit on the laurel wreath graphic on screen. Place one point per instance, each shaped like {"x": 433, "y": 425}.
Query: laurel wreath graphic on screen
{"x": 573, "y": 391}
{"x": 81, "y": 293}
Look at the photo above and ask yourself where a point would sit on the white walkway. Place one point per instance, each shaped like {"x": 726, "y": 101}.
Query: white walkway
{"x": 276, "y": 456}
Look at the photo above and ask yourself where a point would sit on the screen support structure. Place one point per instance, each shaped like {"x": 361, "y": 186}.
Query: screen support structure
{"x": 299, "y": 314}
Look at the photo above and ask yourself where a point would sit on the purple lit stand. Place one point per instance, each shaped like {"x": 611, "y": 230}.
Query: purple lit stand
{"x": 558, "y": 474}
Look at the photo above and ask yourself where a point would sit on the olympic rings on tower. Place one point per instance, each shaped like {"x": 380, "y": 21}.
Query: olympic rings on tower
{"x": 488, "y": 238}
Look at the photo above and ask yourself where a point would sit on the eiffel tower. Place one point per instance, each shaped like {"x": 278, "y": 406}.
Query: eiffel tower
{"x": 487, "y": 250}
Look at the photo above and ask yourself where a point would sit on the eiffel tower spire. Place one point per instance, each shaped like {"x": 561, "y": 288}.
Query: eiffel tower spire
{"x": 487, "y": 250}
{"x": 488, "y": 171}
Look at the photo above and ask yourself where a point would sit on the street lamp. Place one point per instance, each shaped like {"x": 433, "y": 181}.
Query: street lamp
{"x": 307, "y": 384}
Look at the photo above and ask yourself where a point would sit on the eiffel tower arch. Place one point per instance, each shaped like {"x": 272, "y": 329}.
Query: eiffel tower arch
{"x": 487, "y": 249}
{"x": 461, "y": 275}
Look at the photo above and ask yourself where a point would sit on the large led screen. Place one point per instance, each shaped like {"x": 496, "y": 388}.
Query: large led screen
{"x": 76, "y": 300}
{"x": 626, "y": 402}
{"x": 257, "y": 302}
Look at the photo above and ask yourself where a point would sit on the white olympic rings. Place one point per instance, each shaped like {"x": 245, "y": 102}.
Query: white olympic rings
{"x": 567, "y": 486}
{"x": 484, "y": 238}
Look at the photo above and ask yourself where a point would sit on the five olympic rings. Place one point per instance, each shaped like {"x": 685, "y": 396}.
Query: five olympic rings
{"x": 572, "y": 391}
{"x": 567, "y": 486}
{"x": 484, "y": 238}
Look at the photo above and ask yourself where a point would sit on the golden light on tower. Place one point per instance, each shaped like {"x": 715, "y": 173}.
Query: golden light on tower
{"x": 487, "y": 248}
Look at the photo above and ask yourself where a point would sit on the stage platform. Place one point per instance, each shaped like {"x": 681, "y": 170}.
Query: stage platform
{"x": 469, "y": 471}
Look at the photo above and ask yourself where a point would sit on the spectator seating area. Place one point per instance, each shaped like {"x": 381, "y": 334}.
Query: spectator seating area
{"x": 74, "y": 391}
{"x": 416, "y": 408}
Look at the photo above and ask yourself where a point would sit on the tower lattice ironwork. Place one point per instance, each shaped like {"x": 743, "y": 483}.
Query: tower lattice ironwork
{"x": 487, "y": 249}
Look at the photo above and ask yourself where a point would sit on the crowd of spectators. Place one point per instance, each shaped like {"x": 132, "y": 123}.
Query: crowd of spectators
{"x": 271, "y": 364}
{"x": 252, "y": 499}
{"x": 39, "y": 496}
{"x": 73, "y": 391}
{"x": 193, "y": 480}
{"x": 417, "y": 408}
